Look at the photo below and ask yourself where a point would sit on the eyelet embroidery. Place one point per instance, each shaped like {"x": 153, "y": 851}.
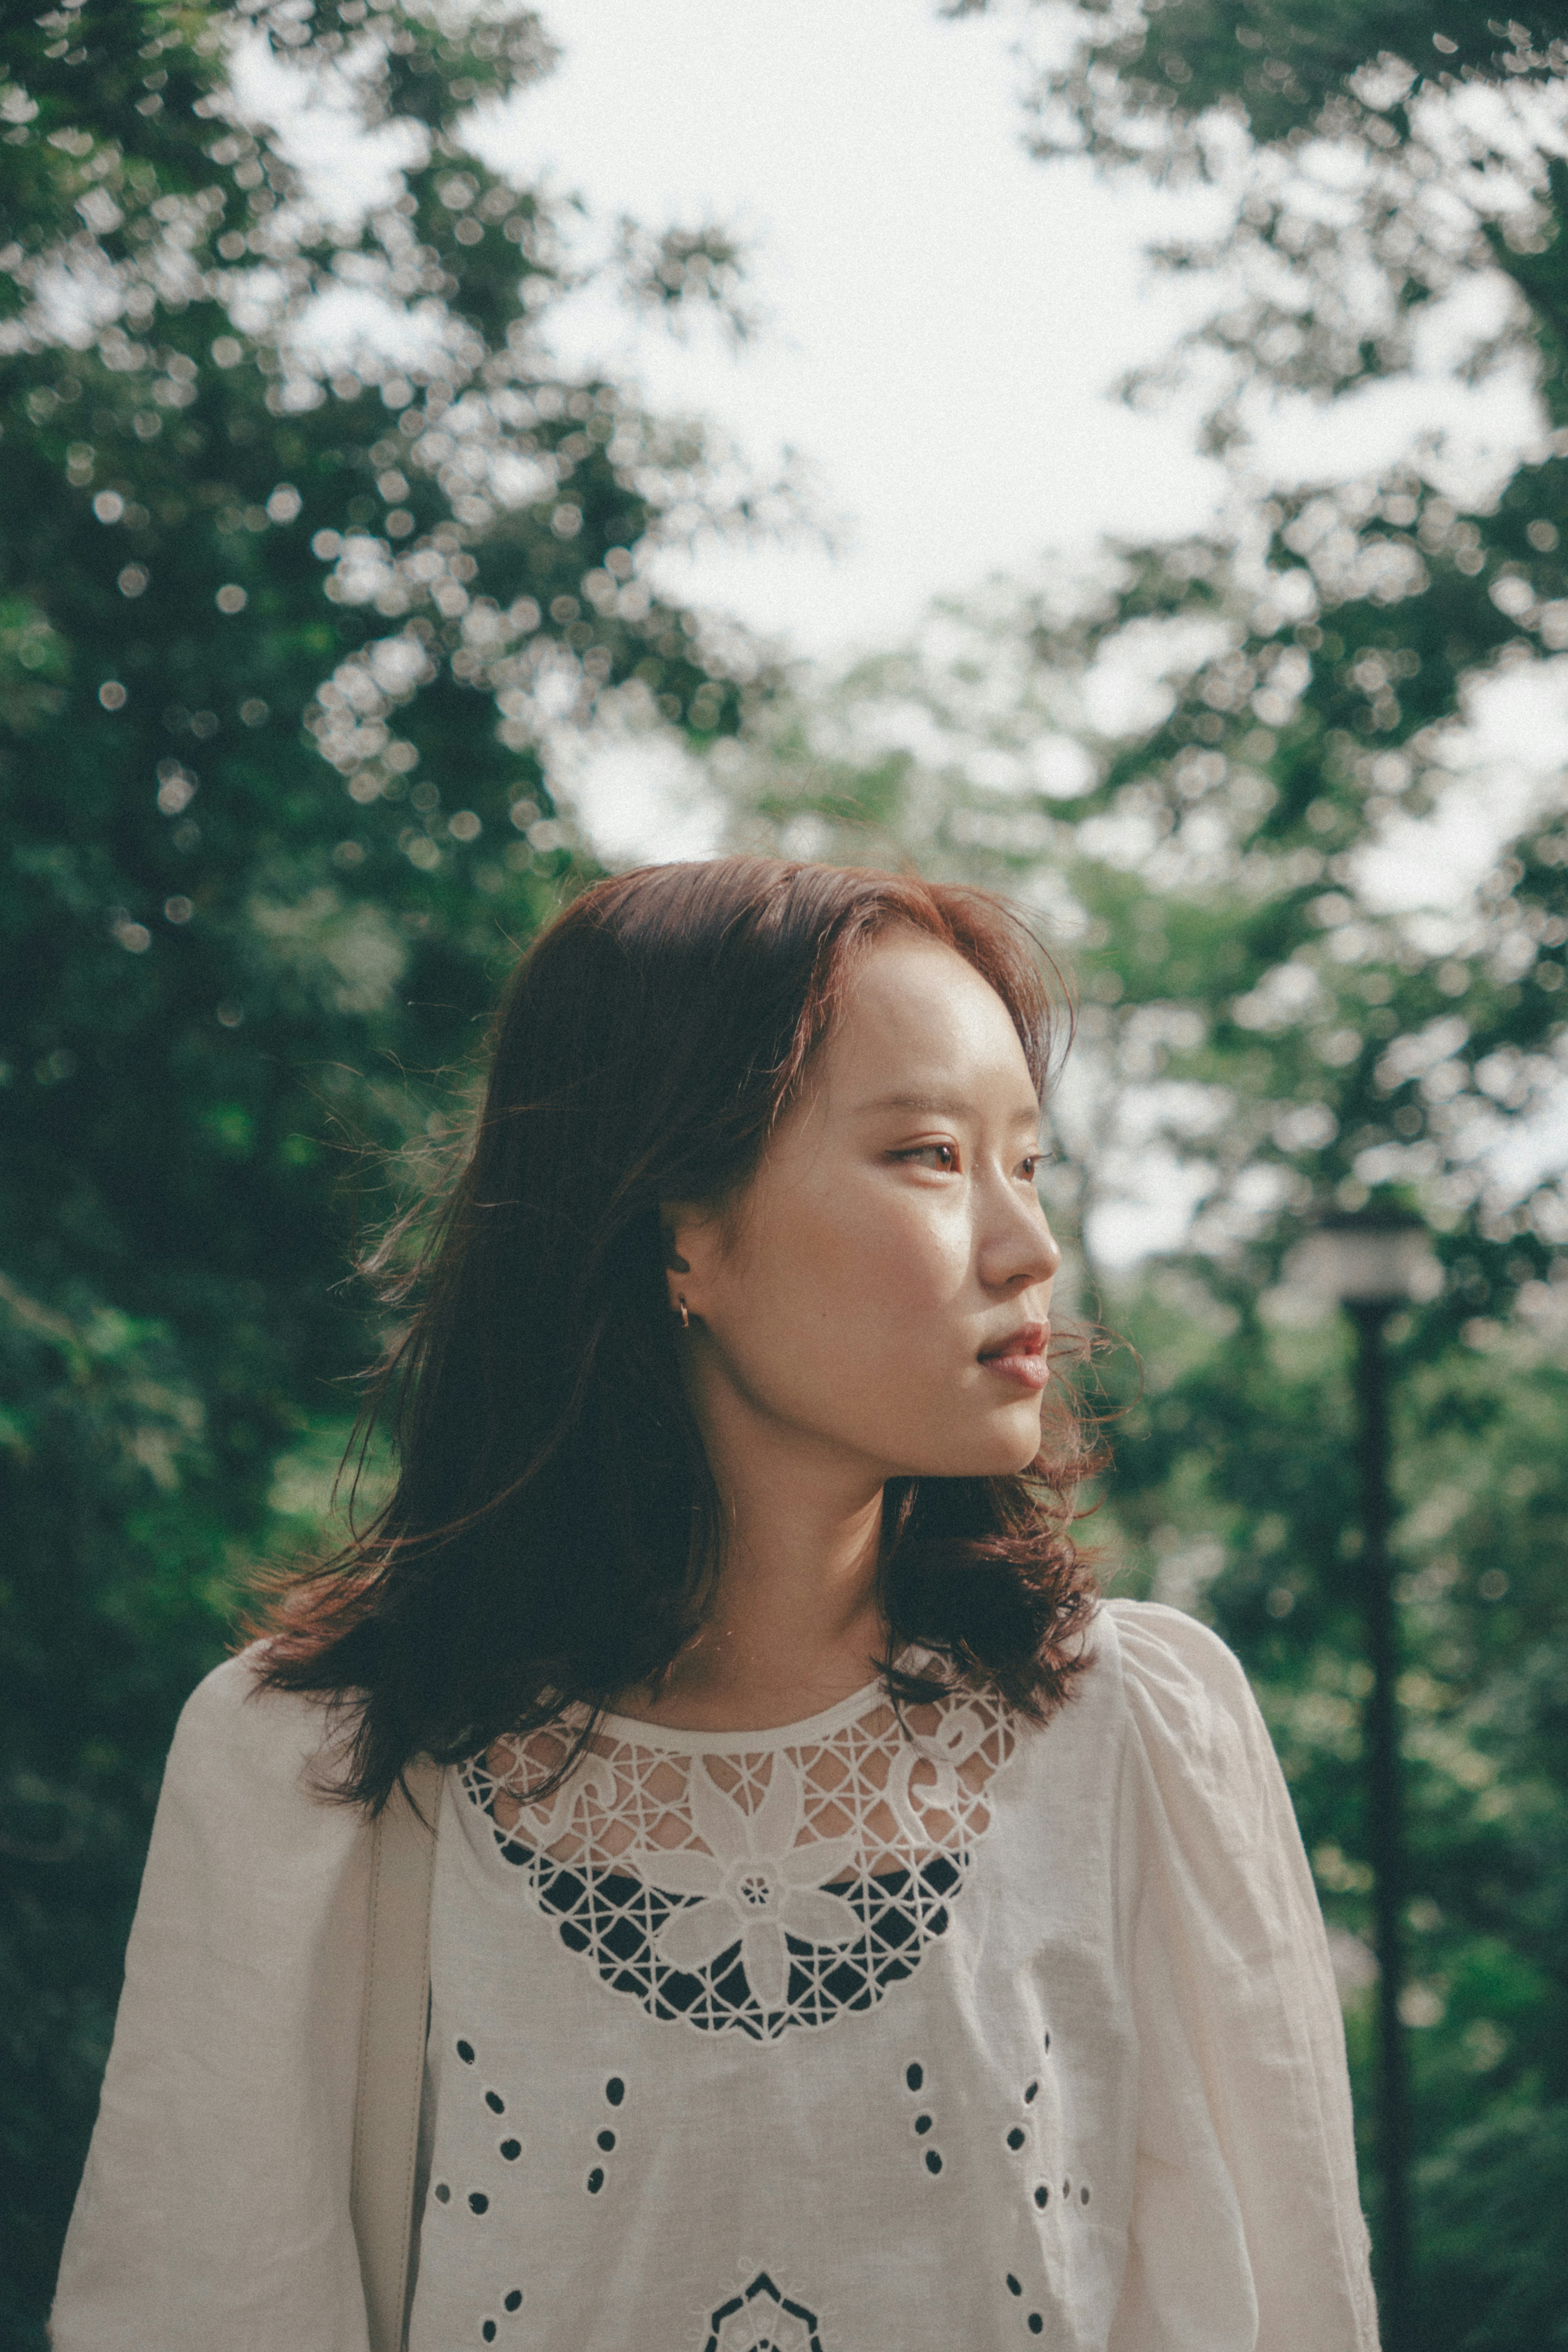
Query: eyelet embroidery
{"x": 762, "y": 2320}
{"x": 919, "y": 2089}
{"x": 757, "y": 1890}
{"x": 511, "y": 2304}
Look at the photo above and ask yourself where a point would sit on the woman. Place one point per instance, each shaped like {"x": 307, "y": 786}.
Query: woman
{"x": 846, "y": 1936}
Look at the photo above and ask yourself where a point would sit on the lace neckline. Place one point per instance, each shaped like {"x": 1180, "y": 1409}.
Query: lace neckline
{"x": 802, "y": 1732}
{"x": 750, "y": 1881}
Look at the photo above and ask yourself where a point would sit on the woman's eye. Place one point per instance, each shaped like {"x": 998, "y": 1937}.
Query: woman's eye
{"x": 942, "y": 1156}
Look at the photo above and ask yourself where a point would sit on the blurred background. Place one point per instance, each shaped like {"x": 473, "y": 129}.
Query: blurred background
{"x": 1116, "y": 453}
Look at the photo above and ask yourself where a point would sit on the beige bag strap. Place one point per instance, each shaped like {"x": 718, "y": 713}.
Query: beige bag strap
{"x": 392, "y": 2030}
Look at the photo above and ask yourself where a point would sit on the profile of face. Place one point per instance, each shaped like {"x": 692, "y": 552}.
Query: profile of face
{"x": 878, "y": 1298}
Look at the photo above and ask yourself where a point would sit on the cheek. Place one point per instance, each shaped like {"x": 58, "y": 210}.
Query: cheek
{"x": 868, "y": 1262}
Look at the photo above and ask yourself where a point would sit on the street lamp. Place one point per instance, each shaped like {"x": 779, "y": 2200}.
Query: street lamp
{"x": 1373, "y": 1261}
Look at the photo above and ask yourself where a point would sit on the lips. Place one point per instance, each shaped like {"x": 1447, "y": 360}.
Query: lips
{"x": 1021, "y": 1355}
{"x": 1028, "y": 1340}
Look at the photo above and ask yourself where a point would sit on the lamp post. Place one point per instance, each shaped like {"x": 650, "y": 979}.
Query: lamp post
{"x": 1373, "y": 1261}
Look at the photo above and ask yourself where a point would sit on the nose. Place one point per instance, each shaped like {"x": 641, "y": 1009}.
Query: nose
{"x": 1018, "y": 1249}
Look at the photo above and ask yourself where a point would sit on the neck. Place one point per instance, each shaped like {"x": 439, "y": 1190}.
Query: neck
{"x": 794, "y": 1625}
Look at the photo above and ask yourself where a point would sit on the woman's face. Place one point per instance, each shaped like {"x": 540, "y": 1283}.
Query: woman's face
{"x": 881, "y": 1291}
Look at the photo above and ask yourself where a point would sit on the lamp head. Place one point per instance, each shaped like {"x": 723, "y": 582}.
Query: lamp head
{"x": 1368, "y": 1257}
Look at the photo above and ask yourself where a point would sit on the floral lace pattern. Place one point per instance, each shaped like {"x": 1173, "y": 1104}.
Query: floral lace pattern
{"x": 753, "y": 1888}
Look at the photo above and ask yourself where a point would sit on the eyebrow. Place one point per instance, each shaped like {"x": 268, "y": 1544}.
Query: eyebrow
{"x": 940, "y": 1107}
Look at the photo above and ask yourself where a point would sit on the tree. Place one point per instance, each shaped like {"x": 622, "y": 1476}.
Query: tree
{"x": 1140, "y": 81}
{"x": 284, "y": 632}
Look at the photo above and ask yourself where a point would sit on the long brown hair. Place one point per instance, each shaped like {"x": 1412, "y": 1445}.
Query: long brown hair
{"x": 554, "y": 1532}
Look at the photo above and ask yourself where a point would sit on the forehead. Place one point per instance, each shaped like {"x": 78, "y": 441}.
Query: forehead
{"x": 917, "y": 1016}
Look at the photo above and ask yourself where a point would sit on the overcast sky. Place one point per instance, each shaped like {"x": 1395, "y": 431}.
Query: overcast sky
{"x": 945, "y": 315}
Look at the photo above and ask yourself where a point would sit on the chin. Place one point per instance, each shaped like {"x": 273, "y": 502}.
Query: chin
{"x": 1000, "y": 1453}
{"x": 1011, "y": 1439}
{"x": 1021, "y": 1452}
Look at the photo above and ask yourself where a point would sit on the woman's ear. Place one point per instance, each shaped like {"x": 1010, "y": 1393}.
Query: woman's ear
{"x": 675, "y": 1216}
{"x": 680, "y": 1222}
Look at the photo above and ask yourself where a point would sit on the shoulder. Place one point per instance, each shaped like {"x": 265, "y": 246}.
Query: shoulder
{"x": 1164, "y": 1655}
{"x": 246, "y": 1812}
{"x": 237, "y": 1734}
{"x": 1188, "y": 1703}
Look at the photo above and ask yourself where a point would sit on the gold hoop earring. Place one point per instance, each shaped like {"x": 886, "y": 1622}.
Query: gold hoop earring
{"x": 684, "y": 1313}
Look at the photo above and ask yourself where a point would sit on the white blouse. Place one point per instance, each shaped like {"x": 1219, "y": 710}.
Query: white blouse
{"x": 847, "y": 2037}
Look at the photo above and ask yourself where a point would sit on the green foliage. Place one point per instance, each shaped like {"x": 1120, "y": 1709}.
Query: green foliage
{"x": 109, "y": 1608}
{"x": 1494, "y": 2280}
{"x": 1138, "y": 75}
{"x": 286, "y": 626}
{"x": 1247, "y": 1441}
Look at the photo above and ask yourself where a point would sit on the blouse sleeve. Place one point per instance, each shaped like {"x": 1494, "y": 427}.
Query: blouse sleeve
{"x": 1246, "y": 2230}
{"x": 215, "y": 2206}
